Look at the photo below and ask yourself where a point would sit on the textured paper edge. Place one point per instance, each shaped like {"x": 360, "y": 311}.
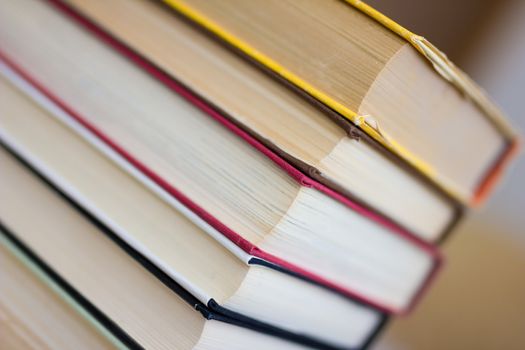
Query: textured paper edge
{"x": 61, "y": 293}
{"x": 59, "y": 115}
{"x": 440, "y": 62}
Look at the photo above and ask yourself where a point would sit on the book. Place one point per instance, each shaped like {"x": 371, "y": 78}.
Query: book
{"x": 244, "y": 194}
{"x": 137, "y": 308}
{"x": 36, "y": 313}
{"x": 322, "y": 145}
{"x": 214, "y": 271}
{"x": 391, "y": 83}
{"x": 183, "y": 174}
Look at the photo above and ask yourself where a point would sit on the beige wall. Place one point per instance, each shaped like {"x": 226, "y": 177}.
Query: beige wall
{"x": 478, "y": 302}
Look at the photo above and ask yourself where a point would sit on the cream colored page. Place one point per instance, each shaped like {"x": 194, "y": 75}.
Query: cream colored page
{"x": 364, "y": 257}
{"x": 330, "y": 317}
{"x": 390, "y": 190}
{"x": 356, "y": 63}
{"x": 219, "y": 335}
{"x": 228, "y": 81}
{"x": 129, "y": 295}
{"x": 219, "y": 171}
{"x": 159, "y": 228}
{"x": 331, "y": 46}
{"x": 434, "y": 121}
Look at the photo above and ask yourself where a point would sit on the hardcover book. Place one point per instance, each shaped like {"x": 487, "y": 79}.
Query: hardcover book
{"x": 377, "y": 74}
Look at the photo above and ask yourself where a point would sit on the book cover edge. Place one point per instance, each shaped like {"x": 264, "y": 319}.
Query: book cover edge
{"x": 444, "y": 68}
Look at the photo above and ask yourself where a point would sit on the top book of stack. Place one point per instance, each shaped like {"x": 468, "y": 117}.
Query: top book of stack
{"x": 391, "y": 83}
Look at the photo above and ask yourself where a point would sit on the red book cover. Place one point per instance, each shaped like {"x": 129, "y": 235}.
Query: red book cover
{"x": 171, "y": 188}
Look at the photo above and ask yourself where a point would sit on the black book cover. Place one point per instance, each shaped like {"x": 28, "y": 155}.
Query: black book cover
{"x": 211, "y": 311}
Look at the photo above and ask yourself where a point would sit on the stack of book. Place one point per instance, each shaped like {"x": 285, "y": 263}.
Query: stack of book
{"x": 227, "y": 174}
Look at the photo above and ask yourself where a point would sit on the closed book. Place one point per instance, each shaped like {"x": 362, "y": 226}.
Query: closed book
{"x": 236, "y": 187}
{"x": 393, "y": 84}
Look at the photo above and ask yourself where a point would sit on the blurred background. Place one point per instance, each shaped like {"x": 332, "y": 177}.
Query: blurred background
{"x": 478, "y": 302}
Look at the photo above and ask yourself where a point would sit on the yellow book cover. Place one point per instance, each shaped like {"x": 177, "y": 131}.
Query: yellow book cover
{"x": 209, "y": 16}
